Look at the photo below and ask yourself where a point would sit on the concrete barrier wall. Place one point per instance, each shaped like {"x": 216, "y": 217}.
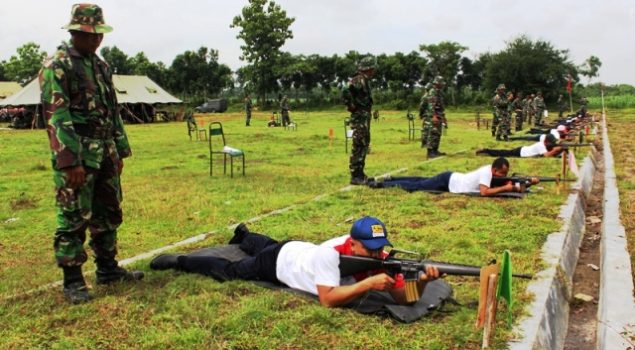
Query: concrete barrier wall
{"x": 547, "y": 323}
{"x": 616, "y": 307}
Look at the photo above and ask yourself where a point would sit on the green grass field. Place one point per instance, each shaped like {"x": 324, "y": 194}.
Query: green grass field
{"x": 169, "y": 196}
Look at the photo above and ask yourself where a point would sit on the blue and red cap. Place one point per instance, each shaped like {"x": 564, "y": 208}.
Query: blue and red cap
{"x": 371, "y": 232}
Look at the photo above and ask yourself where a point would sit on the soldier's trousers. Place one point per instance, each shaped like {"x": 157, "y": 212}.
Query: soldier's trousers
{"x": 248, "y": 118}
{"x": 434, "y": 135}
{"x": 360, "y": 141}
{"x": 96, "y": 206}
{"x": 519, "y": 121}
{"x": 504, "y": 126}
{"x": 285, "y": 117}
{"x": 495, "y": 121}
{"x": 425, "y": 131}
{"x": 538, "y": 120}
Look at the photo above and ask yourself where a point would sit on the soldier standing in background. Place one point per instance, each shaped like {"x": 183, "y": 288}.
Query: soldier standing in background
{"x": 88, "y": 144}
{"x": 583, "y": 107}
{"x": 284, "y": 110}
{"x": 438, "y": 120}
{"x": 425, "y": 114}
{"x": 531, "y": 108}
{"x": 359, "y": 101}
{"x": 499, "y": 103}
{"x": 539, "y": 108}
{"x": 517, "y": 107}
{"x": 562, "y": 106}
{"x": 248, "y": 107}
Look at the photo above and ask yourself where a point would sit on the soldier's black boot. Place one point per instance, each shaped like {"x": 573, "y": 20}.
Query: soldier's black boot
{"x": 358, "y": 178}
{"x": 75, "y": 289}
{"x": 432, "y": 153}
{"x": 108, "y": 271}
{"x": 436, "y": 150}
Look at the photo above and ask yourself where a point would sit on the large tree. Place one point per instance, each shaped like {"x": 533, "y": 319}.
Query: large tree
{"x": 199, "y": 73}
{"x": 264, "y": 27}
{"x": 25, "y": 66}
{"x": 530, "y": 66}
{"x": 590, "y": 67}
{"x": 443, "y": 59}
{"x": 117, "y": 60}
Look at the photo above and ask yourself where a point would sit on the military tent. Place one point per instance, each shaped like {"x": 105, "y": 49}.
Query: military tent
{"x": 135, "y": 93}
{"x": 8, "y": 88}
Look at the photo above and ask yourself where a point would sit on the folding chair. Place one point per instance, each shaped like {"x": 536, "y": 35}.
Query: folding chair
{"x": 192, "y": 127}
{"x": 216, "y": 129}
{"x": 411, "y": 126}
{"x": 348, "y": 134}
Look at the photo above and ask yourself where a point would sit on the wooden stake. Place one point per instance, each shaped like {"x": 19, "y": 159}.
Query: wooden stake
{"x": 482, "y": 300}
{"x": 492, "y": 303}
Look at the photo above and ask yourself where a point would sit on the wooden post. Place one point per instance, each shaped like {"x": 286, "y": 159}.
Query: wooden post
{"x": 564, "y": 164}
{"x": 331, "y": 134}
{"x": 490, "y": 311}
{"x": 478, "y": 120}
{"x": 486, "y": 272}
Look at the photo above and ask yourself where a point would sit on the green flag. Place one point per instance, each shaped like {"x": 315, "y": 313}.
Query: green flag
{"x": 504, "y": 289}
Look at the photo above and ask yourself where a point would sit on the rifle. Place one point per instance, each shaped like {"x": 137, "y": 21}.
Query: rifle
{"x": 410, "y": 268}
{"x": 524, "y": 180}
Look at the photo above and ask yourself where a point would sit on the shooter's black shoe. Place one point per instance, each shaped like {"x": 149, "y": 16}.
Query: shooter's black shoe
{"x": 76, "y": 292}
{"x": 239, "y": 233}
{"x": 439, "y": 153}
{"x": 358, "y": 180}
{"x": 165, "y": 261}
{"x": 117, "y": 274}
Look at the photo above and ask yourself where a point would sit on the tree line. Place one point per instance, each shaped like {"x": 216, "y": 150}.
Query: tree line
{"x": 523, "y": 65}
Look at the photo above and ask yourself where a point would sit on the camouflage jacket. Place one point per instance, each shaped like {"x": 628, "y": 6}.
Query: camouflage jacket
{"x": 499, "y": 103}
{"x": 248, "y": 105}
{"x": 357, "y": 95}
{"x": 424, "y": 106}
{"x": 80, "y": 106}
{"x": 436, "y": 102}
{"x": 284, "y": 104}
{"x": 539, "y": 103}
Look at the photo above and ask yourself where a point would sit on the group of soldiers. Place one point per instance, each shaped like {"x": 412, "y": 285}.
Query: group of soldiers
{"x": 524, "y": 109}
{"x": 284, "y": 111}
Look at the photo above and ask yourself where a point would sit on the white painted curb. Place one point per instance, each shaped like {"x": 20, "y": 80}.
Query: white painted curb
{"x": 546, "y": 325}
{"x": 616, "y": 307}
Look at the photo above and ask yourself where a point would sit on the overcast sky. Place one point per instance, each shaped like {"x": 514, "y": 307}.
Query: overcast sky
{"x": 164, "y": 28}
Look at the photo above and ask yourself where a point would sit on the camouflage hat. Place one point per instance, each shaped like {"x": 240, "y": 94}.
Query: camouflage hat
{"x": 366, "y": 63}
{"x": 501, "y": 87}
{"x": 438, "y": 80}
{"x": 428, "y": 86}
{"x": 87, "y": 18}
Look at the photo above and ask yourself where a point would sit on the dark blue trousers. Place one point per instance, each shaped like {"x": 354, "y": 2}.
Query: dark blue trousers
{"x": 260, "y": 265}
{"x": 438, "y": 182}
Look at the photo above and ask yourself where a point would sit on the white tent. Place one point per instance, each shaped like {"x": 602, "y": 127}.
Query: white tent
{"x": 129, "y": 88}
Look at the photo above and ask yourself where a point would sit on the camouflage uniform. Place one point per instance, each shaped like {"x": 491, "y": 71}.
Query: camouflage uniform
{"x": 434, "y": 120}
{"x": 359, "y": 101}
{"x": 562, "y": 106}
{"x": 499, "y": 103}
{"x": 85, "y": 130}
{"x": 517, "y": 107}
{"x": 583, "y": 107}
{"x": 539, "y": 108}
{"x": 425, "y": 114}
{"x": 284, "y": 111}
{"x": 531, "y": 108}
{"x": 248, "y": 107}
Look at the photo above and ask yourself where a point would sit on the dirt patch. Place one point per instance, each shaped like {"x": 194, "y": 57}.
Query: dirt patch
{"x": 23, "y": 202}
{"x": 586, "y": 279}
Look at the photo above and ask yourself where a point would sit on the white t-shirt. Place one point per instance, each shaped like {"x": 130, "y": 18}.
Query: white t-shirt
{"x": 553, "y": 132}
{"x": 304, "y": 265}
{"x": 472, "y": 181}
{"x": 537, "y": 149}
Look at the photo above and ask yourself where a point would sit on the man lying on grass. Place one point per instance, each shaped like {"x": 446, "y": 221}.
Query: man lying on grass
{"x": 477, "y": 181}
{"x": 546, "y": 148}
{"x": 304, "y": 266}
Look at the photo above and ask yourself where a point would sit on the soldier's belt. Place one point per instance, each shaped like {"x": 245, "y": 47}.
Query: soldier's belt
{"x": 86, "y": 130}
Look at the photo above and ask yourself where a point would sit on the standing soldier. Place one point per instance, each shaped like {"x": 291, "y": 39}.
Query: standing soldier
{"x": 248, "y": 107}
{"x": 88, "y": 144}
{"x": 284, "y": 110}
{"x": 359, "y": 101}
{"x": 562, "y": 106}
{"x": 499, "y": 103}
{"x": 539, "y": 105}
{"x": 531, "y": 108}
{"x": 425, "y": 114}
{"x": 437, "y": 121}
{"x": 583, "y": 107}
{"x": 517, "y": 108}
